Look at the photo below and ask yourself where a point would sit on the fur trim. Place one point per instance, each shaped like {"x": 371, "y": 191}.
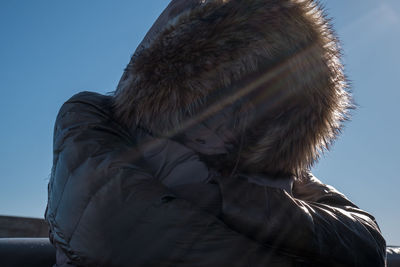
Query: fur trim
{"x": 277, "y": 61}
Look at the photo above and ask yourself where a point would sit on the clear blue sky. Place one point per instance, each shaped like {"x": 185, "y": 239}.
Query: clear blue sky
{"x": 50, "y": 50}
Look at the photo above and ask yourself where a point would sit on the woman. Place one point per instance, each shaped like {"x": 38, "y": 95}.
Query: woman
{"x": 201, "y": 156}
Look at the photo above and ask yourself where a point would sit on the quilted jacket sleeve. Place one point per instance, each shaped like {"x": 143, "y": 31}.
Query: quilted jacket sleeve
{"x": 105, "y": 209}
{"x": 316, "y": 222}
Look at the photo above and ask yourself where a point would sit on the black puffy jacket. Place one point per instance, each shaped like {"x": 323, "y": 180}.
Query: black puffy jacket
{"x": 201, "y": 155}
{"x": 106, "y": 208}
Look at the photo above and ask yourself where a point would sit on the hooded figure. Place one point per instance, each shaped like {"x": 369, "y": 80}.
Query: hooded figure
{"x": 201, "y": 156}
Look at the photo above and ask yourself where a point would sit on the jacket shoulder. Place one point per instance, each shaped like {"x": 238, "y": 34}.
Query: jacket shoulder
{"x": 88, "y": 96}
{"x": 88, "y": 107}
{"x": 87, "y": 99}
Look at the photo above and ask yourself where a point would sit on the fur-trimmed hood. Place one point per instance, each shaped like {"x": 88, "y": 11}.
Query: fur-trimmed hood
{"x": 270, "y": 67}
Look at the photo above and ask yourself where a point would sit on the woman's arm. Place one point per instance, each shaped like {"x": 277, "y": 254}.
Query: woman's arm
{"x": 317, "y": 222}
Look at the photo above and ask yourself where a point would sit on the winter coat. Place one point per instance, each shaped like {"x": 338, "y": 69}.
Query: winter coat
{"x": 201, "y": 155}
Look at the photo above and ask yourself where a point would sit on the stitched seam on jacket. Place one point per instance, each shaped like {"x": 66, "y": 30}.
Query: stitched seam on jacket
{"x": 65, "y": 185}
{"x": 70, "y": 251}
{"x": 64, "y": 136}
{"x": 83, "y": 127}
{"x": 88, "y": 202}
{"x": 86, "y": 206}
